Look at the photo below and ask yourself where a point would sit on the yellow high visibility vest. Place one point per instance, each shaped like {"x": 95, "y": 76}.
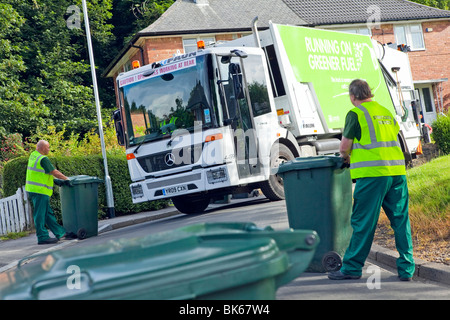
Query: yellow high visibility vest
{"x": 162, "y": 124}
{"x": 377, "y": 153}
{"x": 37, "y": 180}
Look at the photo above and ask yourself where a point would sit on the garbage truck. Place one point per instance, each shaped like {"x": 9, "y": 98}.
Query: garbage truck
{"x": 220, "y": 120}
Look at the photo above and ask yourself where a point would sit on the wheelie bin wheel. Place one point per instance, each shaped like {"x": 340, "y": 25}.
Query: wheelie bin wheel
{"x": 331, "y": 261}
{"x": 81, "y": 233}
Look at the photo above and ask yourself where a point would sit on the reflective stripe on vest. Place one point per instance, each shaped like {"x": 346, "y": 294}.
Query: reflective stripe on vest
{"x": 371, "y": 156}
{"x": 37, "y": 180}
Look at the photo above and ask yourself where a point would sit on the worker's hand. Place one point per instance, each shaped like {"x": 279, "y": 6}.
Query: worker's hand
{"x": 59, "y": 182}
{"x": 346, "y": 162}
{"x": 346, "y": 158}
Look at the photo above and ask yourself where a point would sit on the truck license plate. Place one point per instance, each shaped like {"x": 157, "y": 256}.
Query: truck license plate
{"x": 174, "y": 190}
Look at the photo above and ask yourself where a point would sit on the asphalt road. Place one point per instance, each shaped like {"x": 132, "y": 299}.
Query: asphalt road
{"x": 377, "y": 282}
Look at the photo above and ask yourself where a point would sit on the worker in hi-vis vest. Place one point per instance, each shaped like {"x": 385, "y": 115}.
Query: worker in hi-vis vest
{"x": 164, "y": 129}
{"x": 369, "y": 142}
{"x": 39, "y": 185}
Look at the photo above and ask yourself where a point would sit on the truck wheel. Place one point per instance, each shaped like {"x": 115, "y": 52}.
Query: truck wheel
{"x": 190, "y": 204}
{"x": 273, "y": 188}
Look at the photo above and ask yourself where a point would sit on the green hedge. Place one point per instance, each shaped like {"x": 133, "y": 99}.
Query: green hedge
{"x": 15, "y": 171}
{"x": 441, "y": 133}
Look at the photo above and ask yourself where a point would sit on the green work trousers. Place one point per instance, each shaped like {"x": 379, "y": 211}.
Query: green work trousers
{"x": 43, "y": 215}
{"x": 369, "y": 196}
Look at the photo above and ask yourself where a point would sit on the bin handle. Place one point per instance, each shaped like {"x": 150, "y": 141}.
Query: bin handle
{"x": 83, "y": 287}
{"x": 21, "y": 261}
{"x": 344, "y": 164}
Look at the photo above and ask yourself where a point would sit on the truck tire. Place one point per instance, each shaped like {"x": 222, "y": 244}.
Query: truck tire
{"x": 191, "y": 204}
{"x": 273, "y": 188}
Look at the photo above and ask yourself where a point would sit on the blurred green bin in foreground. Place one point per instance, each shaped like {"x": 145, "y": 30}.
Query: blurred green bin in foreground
{"x": 219, "y": 261}
{"x": 318, "y": 193}
{"x": 79, "y": 205}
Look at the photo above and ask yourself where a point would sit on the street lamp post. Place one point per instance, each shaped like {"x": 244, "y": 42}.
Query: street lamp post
{"x": 109, "y": 193}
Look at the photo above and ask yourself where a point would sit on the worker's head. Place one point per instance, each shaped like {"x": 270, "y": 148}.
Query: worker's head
{"x": 359, "y": 90}
{"x": 43, "y": 147}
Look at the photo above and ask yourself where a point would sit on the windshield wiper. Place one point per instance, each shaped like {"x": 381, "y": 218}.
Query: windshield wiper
{"x": 140, "y": 144}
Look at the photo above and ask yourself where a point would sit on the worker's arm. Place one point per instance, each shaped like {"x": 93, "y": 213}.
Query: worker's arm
{"x": 57, "y": 174}
{"x": 345, "y": 148}
{"x": 352, "y": 130}
{"x": 50, "y": 169}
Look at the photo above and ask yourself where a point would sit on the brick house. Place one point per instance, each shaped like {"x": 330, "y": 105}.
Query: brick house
{"x": 424, "y": 29}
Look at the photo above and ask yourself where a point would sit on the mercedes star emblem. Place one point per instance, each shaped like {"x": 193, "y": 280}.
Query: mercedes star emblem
{"x": 169, "y": 159}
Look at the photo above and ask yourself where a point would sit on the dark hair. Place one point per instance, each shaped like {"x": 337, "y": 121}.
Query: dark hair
{"x": 360, "y": 89}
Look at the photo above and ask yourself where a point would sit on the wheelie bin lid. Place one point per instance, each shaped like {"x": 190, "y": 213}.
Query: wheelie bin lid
{"x": 185, "y": 263}
{"x": 84, "y": 179}
{"x": 305, "y": 163}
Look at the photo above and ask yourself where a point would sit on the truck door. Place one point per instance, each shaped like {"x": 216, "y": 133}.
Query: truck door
{"x": 238, "y": 114}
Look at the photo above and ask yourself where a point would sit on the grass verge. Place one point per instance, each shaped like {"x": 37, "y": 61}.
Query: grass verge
{"x": 14, "y": 235}
{"x": 429, "y": 211}
{"x": 429, "y": 198}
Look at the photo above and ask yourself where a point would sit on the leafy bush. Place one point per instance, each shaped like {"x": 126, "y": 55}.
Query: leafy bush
{"x": 11, "y": 147}
{"x": 64, "y": 144}
{"x": 441, "y": 133}
{"x": 92, "y": 165}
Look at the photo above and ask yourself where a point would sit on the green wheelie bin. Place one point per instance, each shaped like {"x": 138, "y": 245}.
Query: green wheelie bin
{"x": 213, "y": 261}
{"x": 318, "y": 194}
{"x": 79, "y": 205}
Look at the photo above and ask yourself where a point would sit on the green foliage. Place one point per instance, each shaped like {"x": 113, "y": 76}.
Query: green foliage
{"x": 441, "y": 133}
{"x": 44, "y": 69}
{"x": 13, "y": 177}
{"x": 92, "y": 165}
{"x": 11, "y": 147}
{"x": 138, "y": 14}
{"x": 441, "y": 4}
{"x": 429, "y": 188}
{"x": 19, "y": 109}
{"x": 14, "y": 235}
{"x": 45, "y": 76}
{"x": 63, "y": 144}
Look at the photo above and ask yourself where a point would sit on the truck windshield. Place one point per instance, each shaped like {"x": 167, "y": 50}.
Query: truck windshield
{"x": 175, "y": 96}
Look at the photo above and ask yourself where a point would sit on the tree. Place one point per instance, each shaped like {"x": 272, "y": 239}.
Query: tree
{"x": 441, "y": 4}
{"x": 138, "y": 14}
{"x": 45, "y": 77}
{"x": 47, "y": 65}
{"x": 18, "y": 108}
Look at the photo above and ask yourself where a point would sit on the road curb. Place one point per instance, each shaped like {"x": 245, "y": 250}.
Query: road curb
{"x": 424, "y": 269}
{"x": 117, "y": 223}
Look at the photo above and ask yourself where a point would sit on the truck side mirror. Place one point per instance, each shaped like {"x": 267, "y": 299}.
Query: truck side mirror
{"x": 117, "y": 117}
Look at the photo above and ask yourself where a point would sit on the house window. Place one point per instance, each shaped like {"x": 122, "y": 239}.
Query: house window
{"x": 190, "y": 44}
{"x": 410, "y": 35}
{"x": 127, "y": 66}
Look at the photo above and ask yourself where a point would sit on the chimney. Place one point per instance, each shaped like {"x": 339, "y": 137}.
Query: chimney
{"x": 205, "y": 2}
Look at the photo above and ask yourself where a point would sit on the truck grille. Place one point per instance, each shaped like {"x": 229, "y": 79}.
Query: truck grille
{"x": 170, "y": 159}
